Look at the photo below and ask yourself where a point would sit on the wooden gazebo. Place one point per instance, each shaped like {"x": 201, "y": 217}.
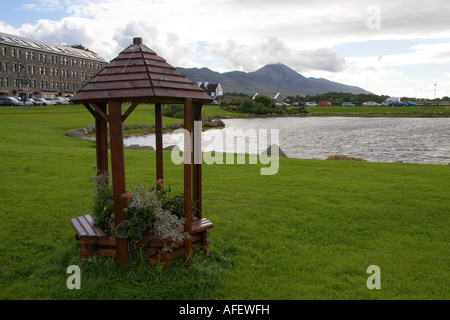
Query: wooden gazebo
{"x": 138, "y": 75}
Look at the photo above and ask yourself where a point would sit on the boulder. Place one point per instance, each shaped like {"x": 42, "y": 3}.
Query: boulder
{"x": 220, "y": 123}
{"x": 138, "y": 147}
{"x": 74, "y": 133}
{"x": 270, "y": 150}
{"x": 175, "y": 126}
{"x": 344, "y": 158}
{"x": 83, "y": 131}
{"x": 169, "y": 148}
{"x": 91, "y": 128}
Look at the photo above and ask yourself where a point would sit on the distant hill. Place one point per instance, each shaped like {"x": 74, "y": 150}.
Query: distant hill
{"x": 271, "y": 78}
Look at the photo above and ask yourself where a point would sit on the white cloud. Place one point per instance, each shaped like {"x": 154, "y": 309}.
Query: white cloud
{"x": 44, "y": 5}
{"x": 247, "y": 34}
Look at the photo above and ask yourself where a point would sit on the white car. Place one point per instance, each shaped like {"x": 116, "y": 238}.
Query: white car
{"x": 370, "y": 104}
{"x": 44, "y": 102}
{"x": 61, "y": 100}
{"x": 311, "y": 104}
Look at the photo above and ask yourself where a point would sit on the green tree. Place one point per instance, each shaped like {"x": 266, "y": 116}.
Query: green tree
{"x": 266, "y": 101}
{"x": 247, "y": 106}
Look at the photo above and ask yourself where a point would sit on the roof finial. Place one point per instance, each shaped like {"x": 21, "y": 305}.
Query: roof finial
{"x": 137, "y": 41}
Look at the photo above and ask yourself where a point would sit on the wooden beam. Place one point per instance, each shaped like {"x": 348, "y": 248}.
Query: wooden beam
{"x": 159, "y": 142}
{"x": 118, "y": 175}
{"x": 188, "y": 178}
{"x": 197, "y": 145}
{"x": 129, "y": 111}
{"x": 101, "y": 113}
{"x": 91, "y": 111}
{"x": 101, "y": 140}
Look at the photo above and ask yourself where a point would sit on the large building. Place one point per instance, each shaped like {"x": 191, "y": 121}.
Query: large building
{"x": 31, "y": 68}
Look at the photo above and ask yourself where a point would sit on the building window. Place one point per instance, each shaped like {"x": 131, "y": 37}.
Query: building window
{"x": 3, "y": 51}
{"x": 32, "y": 56}
{"x": 5, "y": 66}
{"x": 45, "y": 71}
{"x": 27, "y": 55}
{"x": 13, "y": 53}
{"x": 34, "y": 83}
{"x": 15, "y": 67}
{"x": 6, "y": 82}
{"x": 1, "y": 82}
{"x": 33, "y": 70}
{"x": 18, "y": 54}
{"x": 15, "y": 82}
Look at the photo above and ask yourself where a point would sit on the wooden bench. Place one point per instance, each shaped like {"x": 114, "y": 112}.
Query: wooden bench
{"x": 94, "y": 241}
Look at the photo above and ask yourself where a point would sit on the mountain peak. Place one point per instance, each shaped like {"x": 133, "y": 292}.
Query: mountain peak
{"x": 275, "y": 77}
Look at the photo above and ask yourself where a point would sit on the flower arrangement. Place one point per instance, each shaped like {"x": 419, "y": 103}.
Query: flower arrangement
{"x": 148, "y": 211}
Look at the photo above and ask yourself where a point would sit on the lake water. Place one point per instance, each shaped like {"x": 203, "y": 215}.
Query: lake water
{"x": 415, "y": 140}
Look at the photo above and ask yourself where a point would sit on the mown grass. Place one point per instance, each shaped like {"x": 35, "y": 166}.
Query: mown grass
{"x": 417, "y": 111}
{"x": 309, "y": 232}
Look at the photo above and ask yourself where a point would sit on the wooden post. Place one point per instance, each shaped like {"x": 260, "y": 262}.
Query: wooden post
{"x": 118, "y": 175}
{"x": 197, "y": 145}
{"x": 101, "y": 133}
{"x": 159, "y": 142}
{"x": 188, "y": 177}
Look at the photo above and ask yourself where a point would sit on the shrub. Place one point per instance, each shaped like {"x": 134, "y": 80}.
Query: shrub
{"x": 246, "y": 106}
{"x": 174, "y": 111}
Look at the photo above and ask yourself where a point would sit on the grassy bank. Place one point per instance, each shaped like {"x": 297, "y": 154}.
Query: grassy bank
{"x": 309, "y": 232}
{"x": 418, "y": 111}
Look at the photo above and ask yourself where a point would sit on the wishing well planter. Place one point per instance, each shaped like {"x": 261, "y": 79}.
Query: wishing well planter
{"x": 138, "y": 75}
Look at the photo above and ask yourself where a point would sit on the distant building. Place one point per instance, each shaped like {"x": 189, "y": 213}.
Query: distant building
{"x": 34, "y": 68}
{"x": 213, "y": 89}
{"x": 276, "y": 97}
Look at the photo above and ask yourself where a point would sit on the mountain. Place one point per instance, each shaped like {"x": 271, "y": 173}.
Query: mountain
{"x": 271, "y": 78}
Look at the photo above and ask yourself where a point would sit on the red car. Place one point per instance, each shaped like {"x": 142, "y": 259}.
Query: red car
{"x": 325, "y": 104}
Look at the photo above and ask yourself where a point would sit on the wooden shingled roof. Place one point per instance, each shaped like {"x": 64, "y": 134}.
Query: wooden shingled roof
{"x": 138, "y": 74}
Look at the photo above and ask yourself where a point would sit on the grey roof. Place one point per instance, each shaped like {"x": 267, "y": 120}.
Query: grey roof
{"x": 48, "y": 47}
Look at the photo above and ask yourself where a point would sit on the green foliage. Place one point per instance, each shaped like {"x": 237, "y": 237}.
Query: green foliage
{"x": 260, "y": 108}
{"x": 174, "y": 111}
{"x": 247, "y": 106}
{"x": 103, "y": 208}
{"x": 150, "y": 211}
{"x": 265, "y": 101}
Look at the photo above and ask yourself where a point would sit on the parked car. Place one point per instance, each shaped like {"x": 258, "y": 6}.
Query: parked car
{"x": 10, "y": 101}
{"x": 409, "y": 103}
{"x": 32, "y": 102}
{"x": 325, "y": 104}
{"x": 280, "y": 104}
{"x": 370, "y": 104}
{"x": 348, "y": 104}
{"x": 392, "y": 101}
{"x": 311, "y": 104}
{"x": 43, "y": 102}
{"x": 61, "y": 100}
{"x": 397, "y": 104}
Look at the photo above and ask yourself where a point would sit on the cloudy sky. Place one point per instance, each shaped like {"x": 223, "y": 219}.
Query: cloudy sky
{"x": 396, "y": 47}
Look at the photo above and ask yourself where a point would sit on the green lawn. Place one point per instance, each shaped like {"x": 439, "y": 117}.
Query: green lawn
{"x": 381, "y": 111}
{"x": 309, "y": 232}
